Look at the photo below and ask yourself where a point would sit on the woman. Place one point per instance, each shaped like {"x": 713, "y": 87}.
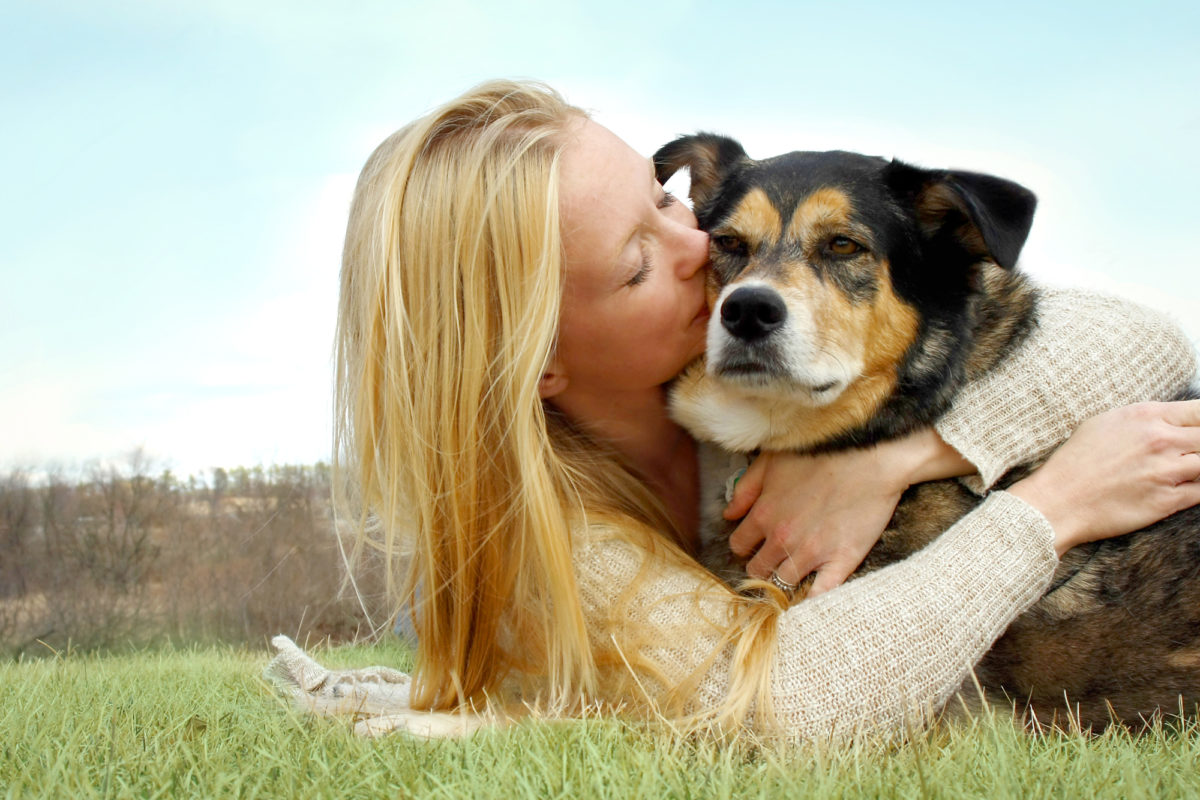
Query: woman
{"x": 516, "y": 291}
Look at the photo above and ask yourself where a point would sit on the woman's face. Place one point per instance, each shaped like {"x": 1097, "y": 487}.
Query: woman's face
{"x": 633, "y": 310}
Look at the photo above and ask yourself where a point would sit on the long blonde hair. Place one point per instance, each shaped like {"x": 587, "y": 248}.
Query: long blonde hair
{"x": 450, "y": 288}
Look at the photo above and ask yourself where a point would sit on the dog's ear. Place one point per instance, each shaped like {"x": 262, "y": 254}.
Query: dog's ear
{"x": 707, "y": 156}
{"x": 989, "y": 216}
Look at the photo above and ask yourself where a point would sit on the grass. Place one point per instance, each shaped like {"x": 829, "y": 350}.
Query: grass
{"x": 202, "y": 723}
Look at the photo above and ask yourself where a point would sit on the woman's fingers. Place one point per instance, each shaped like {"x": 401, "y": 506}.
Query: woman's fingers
{"x": 828, "y": 576}
{"x": 1180, "y": 440}
{"x": 831, "y": 576}
{"x": 770, "y": 558}
{"x": 1187, "y": 468}
{"x": 1184, "y": 413}
{"x": 1189, "y": 494}
{"x": 747, "y": 489}
{"x": 1188, "y": 443}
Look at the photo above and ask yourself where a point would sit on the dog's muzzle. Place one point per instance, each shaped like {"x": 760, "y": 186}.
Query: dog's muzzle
{"x": 752, "y": 312}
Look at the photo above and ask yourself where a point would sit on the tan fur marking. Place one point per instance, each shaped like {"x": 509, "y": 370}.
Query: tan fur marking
{"x": 892, "y": 328}
{"x": 756, "y": 218}
{"x": 936, "y": 202}
{"x": 702, "y": 167}
{"x": 712, "y": 289}
{"x": 823, "y": 208}
{"x": 1184, "y": 659}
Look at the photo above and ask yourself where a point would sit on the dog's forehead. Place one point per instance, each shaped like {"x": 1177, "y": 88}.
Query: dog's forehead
{"x": 790, "y": 178}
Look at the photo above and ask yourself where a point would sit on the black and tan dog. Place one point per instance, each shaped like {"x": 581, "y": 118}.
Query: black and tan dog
{"x": 852, "y": 298}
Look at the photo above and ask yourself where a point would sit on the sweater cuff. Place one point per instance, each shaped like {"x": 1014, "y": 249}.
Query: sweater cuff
{"x": 1025, "y": 523}
{"x": 1022, "y": 427}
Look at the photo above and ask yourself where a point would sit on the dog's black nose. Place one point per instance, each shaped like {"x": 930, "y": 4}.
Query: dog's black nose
{"x": 752, "y": 312}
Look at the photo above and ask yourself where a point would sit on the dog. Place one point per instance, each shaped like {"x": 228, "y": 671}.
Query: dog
{"x": 852, "y": 298}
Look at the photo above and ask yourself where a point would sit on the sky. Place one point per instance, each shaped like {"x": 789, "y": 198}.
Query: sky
{"x": 177, "y": 174}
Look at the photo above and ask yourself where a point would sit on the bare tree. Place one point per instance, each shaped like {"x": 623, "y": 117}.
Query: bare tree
{"x": 129, "y": 553}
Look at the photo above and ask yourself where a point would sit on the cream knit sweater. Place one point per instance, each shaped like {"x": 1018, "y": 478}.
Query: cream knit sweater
{"x": 878, "y": 653}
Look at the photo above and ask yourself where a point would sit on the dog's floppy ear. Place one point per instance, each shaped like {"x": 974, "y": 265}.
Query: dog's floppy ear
{"x": 707, "y": 156}
{"x": 989, "y": 216}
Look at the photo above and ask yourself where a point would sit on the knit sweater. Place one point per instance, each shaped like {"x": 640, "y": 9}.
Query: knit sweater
{"x": 878, "y": 653}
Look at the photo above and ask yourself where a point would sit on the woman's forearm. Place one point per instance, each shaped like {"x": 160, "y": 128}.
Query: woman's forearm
{"x": 867, "y": 656}
{"x": 884, "y": 651}
{"x": 926, "y": 456}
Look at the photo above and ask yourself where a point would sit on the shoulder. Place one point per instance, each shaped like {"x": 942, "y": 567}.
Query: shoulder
{"x": 1070, "y": 307}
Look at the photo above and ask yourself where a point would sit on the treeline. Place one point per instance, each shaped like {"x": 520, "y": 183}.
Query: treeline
{"x": 127, "y": 555}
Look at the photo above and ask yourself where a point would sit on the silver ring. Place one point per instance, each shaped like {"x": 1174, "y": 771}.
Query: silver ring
{"x": 788, "y": 588}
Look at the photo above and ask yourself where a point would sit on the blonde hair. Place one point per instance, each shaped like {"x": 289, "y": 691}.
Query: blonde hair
{"x": 450, "y": 289}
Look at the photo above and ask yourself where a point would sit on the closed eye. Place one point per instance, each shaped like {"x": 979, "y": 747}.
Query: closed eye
{"x": 642, "y": 273}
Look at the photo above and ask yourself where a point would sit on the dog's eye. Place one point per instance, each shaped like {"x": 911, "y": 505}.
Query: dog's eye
{"x": 844, "y": 246}
{"x": 731, "y": 244}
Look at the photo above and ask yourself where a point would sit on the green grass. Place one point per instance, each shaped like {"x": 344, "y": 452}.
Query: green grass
{"x": 202, "y": 723}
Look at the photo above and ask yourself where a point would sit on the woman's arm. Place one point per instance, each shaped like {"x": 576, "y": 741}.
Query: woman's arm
{"x": 1088, "y": 354}
{"x": 867, "y": 657}
{"x": 897, "y": 643}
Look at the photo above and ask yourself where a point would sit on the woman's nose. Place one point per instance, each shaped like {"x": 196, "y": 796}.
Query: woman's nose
{"x": 691, "y": 247}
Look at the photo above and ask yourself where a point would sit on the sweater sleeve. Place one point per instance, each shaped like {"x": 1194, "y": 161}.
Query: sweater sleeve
{"x": 1089, "y": 353}
{"x": 867, "y": 657}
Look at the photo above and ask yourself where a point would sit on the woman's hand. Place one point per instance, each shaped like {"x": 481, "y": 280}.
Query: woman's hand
{"x": 1120, "y": 471}
{"x": 823, "y": 513}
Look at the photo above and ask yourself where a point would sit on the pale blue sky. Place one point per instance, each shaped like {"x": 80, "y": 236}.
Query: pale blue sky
{"x": 177, "y": 173}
